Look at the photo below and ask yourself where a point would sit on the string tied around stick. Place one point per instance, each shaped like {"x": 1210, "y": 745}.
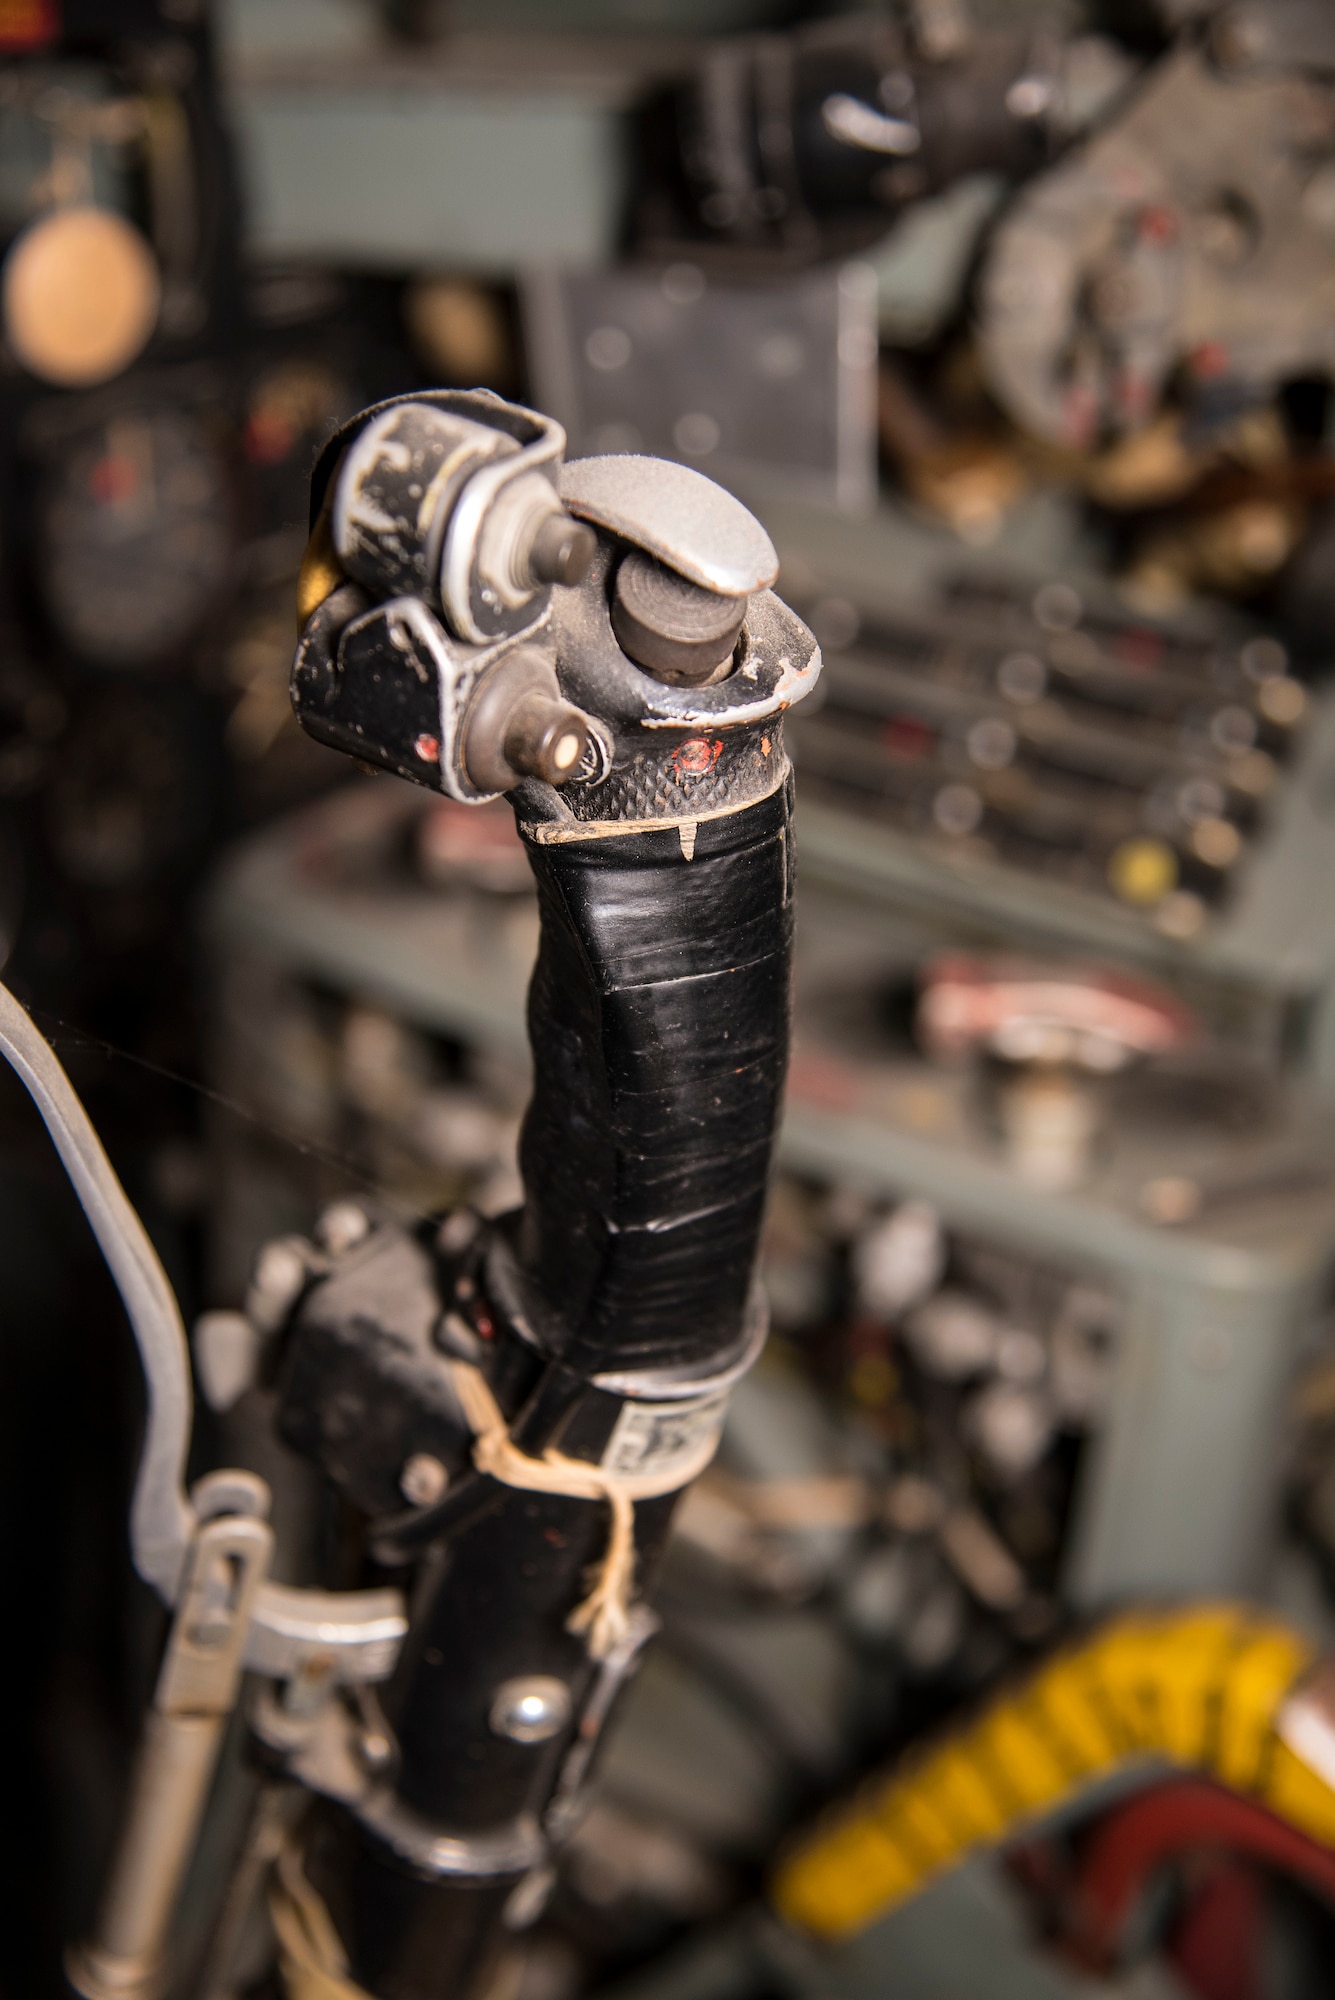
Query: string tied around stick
{"x": 602, "y": 1618}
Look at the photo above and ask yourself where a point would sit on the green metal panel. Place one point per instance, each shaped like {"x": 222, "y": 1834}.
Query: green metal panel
{"x": 385, "y": 176}
{"x": 1272, "y": 943}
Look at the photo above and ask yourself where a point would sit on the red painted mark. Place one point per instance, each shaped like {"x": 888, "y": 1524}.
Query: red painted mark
{"x": 1079, "y": 415}
{"x": 268, "y": 437}
{"x": 427, "y": 748}
{"x": 1138, "y": 648}
{"x": 695, "y": 756}
{"x": 1209, "y": 360}
{"x": 112, "y": 480}
{"x": 483, "y": 1327}
{"x": 1157, "y": 225}
{"x": 1134, "y": 393}
{"x": 28, "y": 24}
{"x": 820, "y": 1081}
{"x": 907, "y": 739}
{"x": 869, "y": 1336}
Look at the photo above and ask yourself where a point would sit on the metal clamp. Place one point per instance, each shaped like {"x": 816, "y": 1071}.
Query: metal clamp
{"x": 402, "y": 642}
{"x": 325, "y": 1752}
{"x": 196, "y": 1692}
{"x": 451, "y": 496}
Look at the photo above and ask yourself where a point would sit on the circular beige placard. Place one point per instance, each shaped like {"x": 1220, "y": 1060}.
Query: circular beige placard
{"x": 80, "y": 296}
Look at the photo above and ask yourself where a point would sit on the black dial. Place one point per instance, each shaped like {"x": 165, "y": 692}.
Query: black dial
{"x": 136, "y": 535}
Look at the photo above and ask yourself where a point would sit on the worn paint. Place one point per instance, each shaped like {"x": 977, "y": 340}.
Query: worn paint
{"x": 696, "y": 755}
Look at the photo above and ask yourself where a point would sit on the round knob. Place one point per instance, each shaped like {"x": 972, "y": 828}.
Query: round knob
{"x": 562, "y": 550}
{"x": 674, "y": 629}
{"x": 519, "y": 725}
{"x": 545, "y": 738}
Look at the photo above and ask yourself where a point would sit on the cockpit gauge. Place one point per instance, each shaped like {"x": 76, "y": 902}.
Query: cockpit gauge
{"x": 136, "y": 534}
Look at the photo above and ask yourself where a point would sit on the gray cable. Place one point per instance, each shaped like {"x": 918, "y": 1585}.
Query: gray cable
{"x": 359, "y": 1631}
{"x": 161, "y": 1518}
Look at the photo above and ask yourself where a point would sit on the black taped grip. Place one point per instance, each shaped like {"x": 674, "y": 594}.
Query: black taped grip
{"x": 659, "y": 1016}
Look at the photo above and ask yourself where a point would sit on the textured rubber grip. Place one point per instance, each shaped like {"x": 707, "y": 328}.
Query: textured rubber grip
{"x": 659, "y": 1016}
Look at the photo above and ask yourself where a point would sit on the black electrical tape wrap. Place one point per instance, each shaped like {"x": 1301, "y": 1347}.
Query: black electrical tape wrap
{"x": 659, "y": 1017}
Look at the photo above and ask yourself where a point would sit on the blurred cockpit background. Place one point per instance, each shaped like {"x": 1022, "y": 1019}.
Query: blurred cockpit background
{"x": 1014, "y": 320}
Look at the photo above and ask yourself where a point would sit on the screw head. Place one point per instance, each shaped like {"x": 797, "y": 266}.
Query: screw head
{"x": 278, "y": 1280}
{"x": 458, "y": 1230}
{"x": 532, "y": 1708}
{"x": 342, "y": 1227}
{"x": 562, "y": 550}
{"x": 375, "y": 1749}
{"x": 423, "y": 1479}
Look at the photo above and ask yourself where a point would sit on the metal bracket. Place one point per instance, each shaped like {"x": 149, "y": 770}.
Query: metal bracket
{"x": 569, "y": 1799}
{"x": 178, "y": 1754}
{"x": 403, "y": 637}
{"x": 324, "y": 1750}
{"x": 321, "y": 1752}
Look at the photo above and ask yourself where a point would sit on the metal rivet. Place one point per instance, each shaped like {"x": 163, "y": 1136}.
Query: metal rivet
{"x": 457, "y": 1231}
{"x": 227, "y": 1353}
{"x": 279, "y": 1279}
{"x": 423, "y": 1479}
{"x": 1171, "y": 1199}
{"x": 343, "y": 1226}
{"x": 375, "y": 1749}
{"x": 530, "y": 1708}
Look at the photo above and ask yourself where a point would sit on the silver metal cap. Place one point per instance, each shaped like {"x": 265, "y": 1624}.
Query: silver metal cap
{"x": 676, "y": 514}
